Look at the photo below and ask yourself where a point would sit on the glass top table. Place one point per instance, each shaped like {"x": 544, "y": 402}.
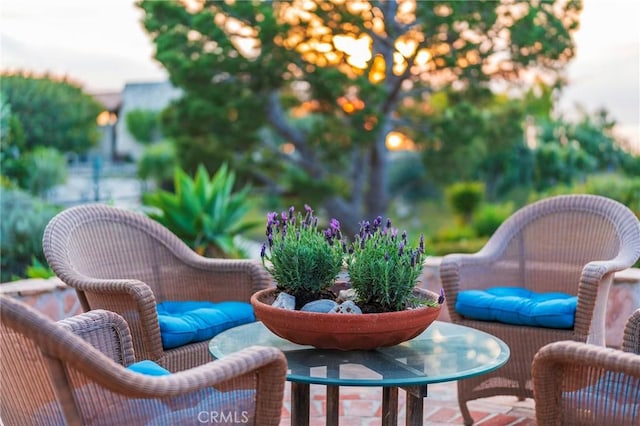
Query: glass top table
{"x": 443, "y": 352}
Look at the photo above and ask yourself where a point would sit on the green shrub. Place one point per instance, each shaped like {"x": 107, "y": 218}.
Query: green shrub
{"x": 158, "y": 163}
{"x": 443, "y": 248}
{"x": 620, "y": 188}
{"x": 465, "y": 198}
{"x": 144, "y": 125}
{"x": 44, "y": 169}
{"x": 24, "y": 218}
{"x": 38, "y": 269}
{"x": 489, "y": 217}
{"x": 623, "y": 189}
{"x": 204, "y": 212}
{"x": 51, "y": 112}
{"x": 454, "y": 233}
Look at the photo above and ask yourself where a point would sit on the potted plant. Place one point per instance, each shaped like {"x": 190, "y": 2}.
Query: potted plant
{"x": 383, "y": 271}
{"x": 303, "y": 261}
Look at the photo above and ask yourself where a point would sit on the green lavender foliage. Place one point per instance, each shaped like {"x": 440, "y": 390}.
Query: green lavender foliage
{"x": 299, "y": 256}
{"x": 383, "y": 269}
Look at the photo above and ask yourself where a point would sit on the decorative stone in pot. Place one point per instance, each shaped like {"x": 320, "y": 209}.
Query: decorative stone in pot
{"x": 344, "y": 331}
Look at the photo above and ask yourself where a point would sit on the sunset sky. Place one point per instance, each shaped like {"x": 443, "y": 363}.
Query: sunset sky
{"x": 101, "y": 45}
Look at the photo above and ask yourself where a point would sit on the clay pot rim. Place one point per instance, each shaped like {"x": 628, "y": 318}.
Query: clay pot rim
{"x": 258, "y": 297}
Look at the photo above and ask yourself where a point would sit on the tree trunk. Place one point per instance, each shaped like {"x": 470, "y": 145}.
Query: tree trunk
{"x": 377, "y": 198}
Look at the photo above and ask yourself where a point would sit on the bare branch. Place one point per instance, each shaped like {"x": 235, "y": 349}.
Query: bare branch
{"x": 277, "y": 118}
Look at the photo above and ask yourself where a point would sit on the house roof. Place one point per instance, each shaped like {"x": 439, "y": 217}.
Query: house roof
{"x": 111, "y": 101}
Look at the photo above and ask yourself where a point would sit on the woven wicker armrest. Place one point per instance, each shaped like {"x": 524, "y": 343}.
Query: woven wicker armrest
{"x": 631, "y": 339}
{"x": 104, "y": 330}
{"x": 267, "y": 364}
{"x": 454, "y": 270}
{"x": 579, "y": 383}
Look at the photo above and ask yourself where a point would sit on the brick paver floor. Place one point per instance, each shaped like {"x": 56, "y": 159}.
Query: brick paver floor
{"x": 361, "y": 406}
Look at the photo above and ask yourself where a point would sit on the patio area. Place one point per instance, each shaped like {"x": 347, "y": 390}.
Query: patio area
{"x": 362, "y": 406}
{"x": 358, "y": 406}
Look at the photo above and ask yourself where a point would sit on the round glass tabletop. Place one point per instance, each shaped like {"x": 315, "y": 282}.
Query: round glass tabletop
{"x": 443, "y": 352}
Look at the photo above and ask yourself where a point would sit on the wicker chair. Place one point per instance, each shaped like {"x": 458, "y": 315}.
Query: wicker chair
{"x": 572, "y": 244}
{"x": 125, "y": 262}
{"x": 73, "y": 373}
{"x": 580, "y": 384}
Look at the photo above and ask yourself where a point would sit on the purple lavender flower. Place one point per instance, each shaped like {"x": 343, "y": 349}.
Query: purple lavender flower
{"x": 335, "y": 227}
{"x": 401, "y": 248}
{"x": 291, "y": 210}
{"x": 328, "y": 235}
{"x": 421, "y": 243}
{"x": 272, "y": 218}
{"x": 263, "y": 250}
{"x": 376, "y": 223}
{"x": 388, "y": 222}
{"x": 441, "y": 298}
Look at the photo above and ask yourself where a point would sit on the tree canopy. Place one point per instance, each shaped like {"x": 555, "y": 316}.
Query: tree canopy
{"x": 303, "y": 96}
{"x": 50, "y": 112}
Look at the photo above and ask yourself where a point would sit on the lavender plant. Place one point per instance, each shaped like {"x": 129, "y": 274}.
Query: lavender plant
{"x": 383, "y": 269}
{"x": 302, "y": 259}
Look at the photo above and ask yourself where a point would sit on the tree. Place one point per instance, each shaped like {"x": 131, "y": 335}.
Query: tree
{"x": 50, "y": 112}
{"x": 568, "y": 151}
{"x": 302, "y": 95}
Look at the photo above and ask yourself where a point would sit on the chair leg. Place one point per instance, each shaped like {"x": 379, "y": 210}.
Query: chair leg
{"x": 464, "y": 410}
{"x": 468, "y": 420}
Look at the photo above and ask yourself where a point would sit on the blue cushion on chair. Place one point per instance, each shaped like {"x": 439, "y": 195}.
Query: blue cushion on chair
{"x": 149, "y": 368}
{"x": 519, "y": 306}
{"x": 183, "y": 322}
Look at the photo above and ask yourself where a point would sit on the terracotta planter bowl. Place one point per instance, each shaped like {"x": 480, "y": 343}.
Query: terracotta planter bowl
{"x": 343, "y": 331}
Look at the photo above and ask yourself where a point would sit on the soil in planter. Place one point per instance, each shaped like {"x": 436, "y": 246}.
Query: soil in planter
{"x": 373, "y": 308}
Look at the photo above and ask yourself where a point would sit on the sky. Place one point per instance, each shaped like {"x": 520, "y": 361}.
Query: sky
{"x": 100, "y": 45}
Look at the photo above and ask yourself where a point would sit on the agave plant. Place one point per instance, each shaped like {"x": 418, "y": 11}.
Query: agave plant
{"x": 204, "y": 211}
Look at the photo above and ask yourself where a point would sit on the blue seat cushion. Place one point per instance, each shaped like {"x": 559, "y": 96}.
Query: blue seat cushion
{"x": 149, "y": 368}
{"x": 183, "y": 322}
{"x": 519, "y": 306}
